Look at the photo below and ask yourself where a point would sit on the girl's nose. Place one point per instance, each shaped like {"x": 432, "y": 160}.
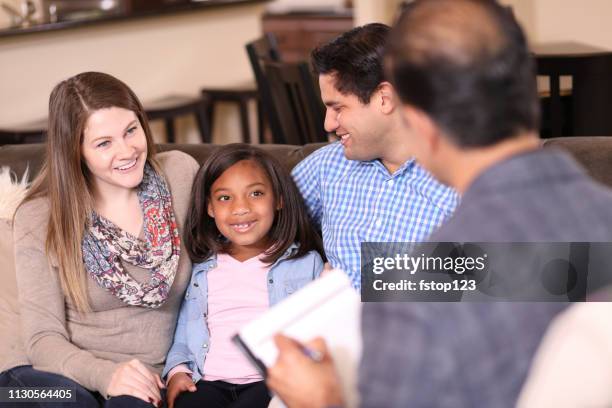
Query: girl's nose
{"x": 240, "y": 207}
{"x": 240, "y": 210}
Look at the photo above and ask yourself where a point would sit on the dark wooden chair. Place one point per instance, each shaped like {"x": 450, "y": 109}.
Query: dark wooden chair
{"x": 171, "y": 107}
{"x": 264, "y": 47}
{"x": 587, "y": 111}
{"x": 296, "y": 101}
{"x": 260, "y": 51}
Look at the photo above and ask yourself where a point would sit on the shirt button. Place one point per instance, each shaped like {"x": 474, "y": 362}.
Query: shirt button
{"x": 196, "y": 284}
{"x": 378, "y": 222}
{"x": 270, "y": 281}
{"x": 390, "y": 182}
{"x": 205, "y": 345}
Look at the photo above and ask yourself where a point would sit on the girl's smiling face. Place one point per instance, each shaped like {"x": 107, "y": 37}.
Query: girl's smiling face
{"x": 243, "y": 204}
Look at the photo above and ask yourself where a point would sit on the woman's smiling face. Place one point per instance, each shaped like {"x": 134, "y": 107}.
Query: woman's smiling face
{"x": 114, "y": 148}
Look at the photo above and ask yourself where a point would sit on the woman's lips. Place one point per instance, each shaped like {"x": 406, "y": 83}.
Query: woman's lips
{"x": 128, "y": 166}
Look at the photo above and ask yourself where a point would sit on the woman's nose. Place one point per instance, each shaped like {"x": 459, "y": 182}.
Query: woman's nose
{"x": 125, "y": 148}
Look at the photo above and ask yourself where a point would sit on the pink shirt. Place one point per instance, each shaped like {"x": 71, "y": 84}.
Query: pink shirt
{"x": 237, "y": 294}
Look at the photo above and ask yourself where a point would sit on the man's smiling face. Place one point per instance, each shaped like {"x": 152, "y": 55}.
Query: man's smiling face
{"x": 358, "y": 125}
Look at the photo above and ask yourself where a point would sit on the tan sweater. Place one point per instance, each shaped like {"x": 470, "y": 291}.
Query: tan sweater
{"x": 88, "y": 347}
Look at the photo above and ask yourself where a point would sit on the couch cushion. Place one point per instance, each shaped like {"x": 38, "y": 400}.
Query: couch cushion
{"x": 593, "y": 152}
{"x": 288, "y": 155}
{"x": 11, "y": 346}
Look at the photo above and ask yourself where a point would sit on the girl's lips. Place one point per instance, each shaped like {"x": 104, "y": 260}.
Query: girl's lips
{"x": 243, "y": 226}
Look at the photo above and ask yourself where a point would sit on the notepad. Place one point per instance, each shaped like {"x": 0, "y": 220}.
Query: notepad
{"x": 328, "y": 307}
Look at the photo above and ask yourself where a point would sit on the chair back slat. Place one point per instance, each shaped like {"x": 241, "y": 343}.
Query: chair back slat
{"x": 297, "y": 104}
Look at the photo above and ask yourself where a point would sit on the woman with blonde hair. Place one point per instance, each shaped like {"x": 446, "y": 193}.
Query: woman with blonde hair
{"x": 101, "y": 269}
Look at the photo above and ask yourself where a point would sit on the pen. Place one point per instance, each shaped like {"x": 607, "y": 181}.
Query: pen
{"x": 314, "y": 355}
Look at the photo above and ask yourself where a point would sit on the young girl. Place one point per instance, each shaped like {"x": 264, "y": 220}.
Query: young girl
{"x": 252, "y": 245}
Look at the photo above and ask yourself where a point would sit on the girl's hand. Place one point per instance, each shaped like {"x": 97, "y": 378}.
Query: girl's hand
{"x": 133, "y": 378}
{"x": 179, "y": 382}
{"x": 327, "y": 268}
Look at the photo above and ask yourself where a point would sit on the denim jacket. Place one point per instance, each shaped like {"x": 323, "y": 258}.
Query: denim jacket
{"x": 191, "y": 337}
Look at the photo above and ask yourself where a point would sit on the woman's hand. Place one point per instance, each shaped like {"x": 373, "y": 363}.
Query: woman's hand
{"x": 179, "y": 382}
{"x": 133, "y": 378}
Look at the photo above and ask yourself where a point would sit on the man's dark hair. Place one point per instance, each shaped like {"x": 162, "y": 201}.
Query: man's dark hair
{"x": 355, "y": 58}
{"x": 467, "y": 65}
{"x": 291, "y": 223}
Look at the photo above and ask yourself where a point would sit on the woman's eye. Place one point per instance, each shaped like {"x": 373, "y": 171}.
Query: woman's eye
{"x": 103, "y": 144}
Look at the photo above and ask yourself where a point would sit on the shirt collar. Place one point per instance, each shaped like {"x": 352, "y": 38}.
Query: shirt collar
{"x": 212, "y": 260}
{"x": 406, "y": 167}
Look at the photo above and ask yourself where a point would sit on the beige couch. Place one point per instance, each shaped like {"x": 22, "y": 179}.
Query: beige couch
{"x": 595, "y": 153}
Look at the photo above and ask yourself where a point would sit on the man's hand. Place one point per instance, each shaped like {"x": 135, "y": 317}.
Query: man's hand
{"x": 179, "y": 382}
{"x": 133, "y": 378}
{"x": 302, "y": 382}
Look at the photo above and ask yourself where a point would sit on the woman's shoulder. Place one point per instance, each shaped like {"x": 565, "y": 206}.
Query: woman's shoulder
{"x": 32, "y": 209}
{"x": 31, "y": 216}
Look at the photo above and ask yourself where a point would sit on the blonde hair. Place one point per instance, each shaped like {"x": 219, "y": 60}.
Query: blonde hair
{"x": 65, "y": 179}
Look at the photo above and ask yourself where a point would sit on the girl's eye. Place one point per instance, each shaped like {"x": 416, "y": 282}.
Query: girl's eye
{"x": 257, "y": 193}
{"x": 223, "y": 198}
{"x": 103, "y": 144}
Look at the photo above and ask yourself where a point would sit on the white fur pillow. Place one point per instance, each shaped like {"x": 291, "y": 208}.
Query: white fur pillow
{"x": 12, "y": 192}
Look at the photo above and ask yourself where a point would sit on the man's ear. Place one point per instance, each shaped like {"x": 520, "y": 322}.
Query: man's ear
{"x": 423, "y": 126}
{"x": 210, "y": 211}
{"x": 388, "y": 97}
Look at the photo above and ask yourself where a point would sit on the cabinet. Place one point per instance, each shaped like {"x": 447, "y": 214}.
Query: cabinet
{"x": 298, "y": 33}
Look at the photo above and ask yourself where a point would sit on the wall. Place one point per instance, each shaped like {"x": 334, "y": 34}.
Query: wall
{"x": 155, "y": 56}
{"x": 586, "y": 21}
{"x": 285, "y": 5}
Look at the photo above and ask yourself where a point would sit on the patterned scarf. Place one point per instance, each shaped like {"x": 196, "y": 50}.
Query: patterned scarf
{"x": 105, "y": 245}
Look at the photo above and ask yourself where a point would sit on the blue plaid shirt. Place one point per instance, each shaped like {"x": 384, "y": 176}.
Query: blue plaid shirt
{"x": 355, "y": 201}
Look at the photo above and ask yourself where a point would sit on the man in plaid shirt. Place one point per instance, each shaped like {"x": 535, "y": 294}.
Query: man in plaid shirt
{"x": 367, "y": 186}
